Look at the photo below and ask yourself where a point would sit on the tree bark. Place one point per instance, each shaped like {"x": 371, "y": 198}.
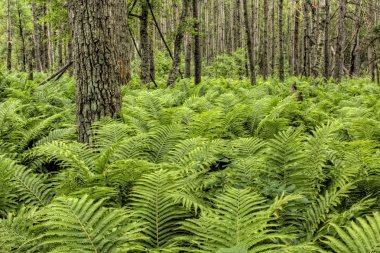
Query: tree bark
{"x": 273, "y": 47}
{"x": 36, "y": 35}
{"x": 9, "y": 36}
{"x": 22, "y": 38}
{"x": 98, "y": 60}
{"x": 265, "y": 41}
{"x": 249, "y": 43}
{"x": 197, "y": 44}
{"x": 341, "y": 41}
{"x": 144, "y": 43}
{"x": 326, "y": 49}
{"x": 178, "y": 43}
{"x": 296, "y": 39}
{"x": 281, "y": 72}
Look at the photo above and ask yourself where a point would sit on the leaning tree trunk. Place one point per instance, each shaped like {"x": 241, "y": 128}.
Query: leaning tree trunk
{"x": 178, "y": 43}
{"x": 281, "y": 73}
{"x": 340, "y": 42}
{"x": 249, "y": 43}
{"x": 197, "y": 44}
{"x": 9, "y": 36}
{"x": 98, "y": 60}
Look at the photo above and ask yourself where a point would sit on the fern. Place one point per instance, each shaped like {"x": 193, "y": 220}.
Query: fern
{"x": 83, "y": 225}
{"x": 362, "y": 235}
{"x": 154, "y": 206}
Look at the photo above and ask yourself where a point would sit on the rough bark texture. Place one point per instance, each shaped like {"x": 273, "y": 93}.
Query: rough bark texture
{"x": 296, "y": 69}
{"x": 341, "y": 41}
{"x": 144, "y": 43}
{"x": 97, "y": 46}
{"x": 249, "y": 44}
{"x": 197, "y": 44}
{"x": 22, "y": 38}
{"x": 9, "y": 36}
{"x": 281, "y": 72}
{"x": 326, "y": 49}
{"x": 178, "y": 43}
{"x": 265, "y": 41}
{"x": 36, "y": 35}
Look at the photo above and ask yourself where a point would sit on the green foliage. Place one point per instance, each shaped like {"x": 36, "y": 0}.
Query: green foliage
{"x": 218, "y": 167}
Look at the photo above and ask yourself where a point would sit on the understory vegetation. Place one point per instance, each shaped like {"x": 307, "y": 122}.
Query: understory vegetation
{"x": 219, "y": 167}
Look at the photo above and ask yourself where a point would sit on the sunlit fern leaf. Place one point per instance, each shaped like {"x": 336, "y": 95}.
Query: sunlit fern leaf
{"x": 32, "y": 188}
{"x": 207, "y": 124}
{"x": 8, "y": 198}
{"x": 15, "y": 230}
{"x": 58, "y": 135}
{"x": 184, "y": 147}
{"x": 240, "y": 216}
{"x": 9, "y": 116}
{"x": 109, "y": 133}
{"x": 35, "y": 129}
{"x": 154, "y": 206}
{"x": 318, "y": 211}
{"x": 83, "y": 225}
{"x": 362, "y": 235}
{"x": 236, "y": 120}
{"x": 247, "y": 147}
{"x": 72, "y": 155}
{"x": 162, "y": 141}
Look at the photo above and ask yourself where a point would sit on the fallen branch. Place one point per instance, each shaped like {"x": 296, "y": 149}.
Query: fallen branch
{"x": 57, "y": 74}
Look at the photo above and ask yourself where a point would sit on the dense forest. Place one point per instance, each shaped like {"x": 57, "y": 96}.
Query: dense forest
{"x": 226, "y": 126}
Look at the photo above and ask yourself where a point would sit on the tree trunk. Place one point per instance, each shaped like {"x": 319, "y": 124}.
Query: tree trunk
{"x": 249, "y": 44}
{"x": 98, "y": 60}
{"x": 9, "y": 36}
{"x": 296, "y": 39}
{"x": 281, "y": 72}
{"x": 340, "y": 42}
{"x": 197, "y": 44}
{"x": 178, "y": 43}
{"x": 22, "y": 38}
{"x": 188, "y": 57}
{"x": 236, "y": 27}
{"x": 273, "y": 47}
{"x": 265, "y": 41}
{"x": 36, "y": 34}
{"x": 144, "y": 43}
{"x": 326, "y": 49}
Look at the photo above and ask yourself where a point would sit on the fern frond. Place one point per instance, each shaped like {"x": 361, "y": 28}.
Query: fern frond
{"x": 362, "y": 235}
{"x": 83, "y": 225}
{"x": 154, "y": 206}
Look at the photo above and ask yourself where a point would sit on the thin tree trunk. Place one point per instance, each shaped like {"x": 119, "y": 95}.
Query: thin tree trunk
{"x": 296, "y": 39}
{"x": 340, "y": 42}
{"x": 22, "y": 38}
{"x": 273, "y": 47}
{"x": 197, "y": 44}
{"x": 144, "y": 43}
{"x": 327, "y": 40}
{"x": 178, "y": 43}
{"x": 36, "y": 34}
{"x": 281, "y": 72}
{"x": 9, "y": 37}
{"x": 249, "y": 44}
{"x": 265, "y": 41}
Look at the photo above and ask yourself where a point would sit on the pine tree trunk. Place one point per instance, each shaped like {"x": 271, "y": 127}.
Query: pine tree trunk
{"x": 273, "y": 47}
{"x": 265, "y": 41}
{"x": 144, "y": 43}
{"x": 340, "y": 42}
{"x": 9, "y": 36}
{"x": 249, "y": 44}
{"x": 97, "y": 46}
{"x": 22, "y": 38}
{"x": 36, "y": 34}
{"x": 236, "y": 26}
{"x": 281, "y": 72}
{"x": 178, "y": 43}
{"x": 326, "y": 49}
{"x": 197, "y": 44}
{"x": 296, "y": 39}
